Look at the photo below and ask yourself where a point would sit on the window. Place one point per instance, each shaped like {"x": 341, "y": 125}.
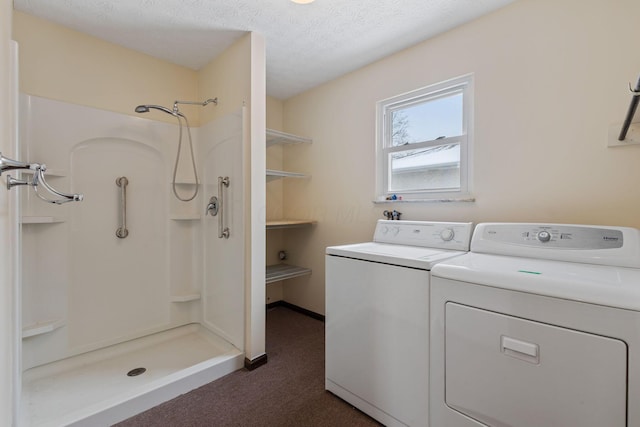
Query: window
{"x": 424, "y": 143}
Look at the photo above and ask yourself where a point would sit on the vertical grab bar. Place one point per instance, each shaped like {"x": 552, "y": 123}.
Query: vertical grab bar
{"x": 222, "y": 230}
{"x": 122, "y": 231}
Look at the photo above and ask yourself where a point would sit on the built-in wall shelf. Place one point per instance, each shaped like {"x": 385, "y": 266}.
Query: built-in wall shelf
{"x": 289, "y": 223}
{"x": 275, "y": 174}
{"x": 40, "y": 220}
{"x": 278, "y": 272}
{"x": 41, "y": 328}
{"x": 185, "y": 297}
{"x": 185, "y": 217}
{"x": 275, "y": 137}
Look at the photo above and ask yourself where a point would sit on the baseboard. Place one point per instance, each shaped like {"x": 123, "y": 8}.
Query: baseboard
{"x": 299, "y": 309}
{"x": 255, "y": 363}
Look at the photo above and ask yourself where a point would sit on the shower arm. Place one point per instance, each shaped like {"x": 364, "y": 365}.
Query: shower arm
{"x": 202, "y": 104}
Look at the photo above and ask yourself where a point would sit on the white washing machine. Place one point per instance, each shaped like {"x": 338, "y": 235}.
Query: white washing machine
{"x": 539, "y": 325}
{"x": 377, "y": 317}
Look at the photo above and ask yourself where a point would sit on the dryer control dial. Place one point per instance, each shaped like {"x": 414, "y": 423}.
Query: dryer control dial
{"x": 544, "y": 236}
{"x": 447, "y": 234}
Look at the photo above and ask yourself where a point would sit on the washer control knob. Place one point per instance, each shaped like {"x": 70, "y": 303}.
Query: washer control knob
{"x": 447, "y": 234}
{"x": 395, "y": 230}
{"x": 544, "y": 236}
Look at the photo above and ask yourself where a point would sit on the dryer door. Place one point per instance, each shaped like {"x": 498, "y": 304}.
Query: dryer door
{"x": 505, "y": 371}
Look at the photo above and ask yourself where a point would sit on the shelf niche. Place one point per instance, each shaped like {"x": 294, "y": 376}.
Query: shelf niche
{"x": 275, "y": 137}
{"x": 41, "y": 328}
{"x": 278, "y": 272}
{"x": 289, "y": 223}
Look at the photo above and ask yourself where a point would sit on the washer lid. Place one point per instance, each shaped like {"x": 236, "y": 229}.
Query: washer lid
{"x": 401, "y": 255}
{"x": 596, "y": 284}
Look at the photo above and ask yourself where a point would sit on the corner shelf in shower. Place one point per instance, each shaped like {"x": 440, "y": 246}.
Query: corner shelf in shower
{"x": 41, "y": 220}
{"x": 185, "y": 297}
{"x": 40, "y": 328}
{"x": 278, "y": 272}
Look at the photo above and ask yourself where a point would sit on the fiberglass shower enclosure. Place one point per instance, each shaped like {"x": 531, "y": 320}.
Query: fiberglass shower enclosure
{"x": 91, "y": 298}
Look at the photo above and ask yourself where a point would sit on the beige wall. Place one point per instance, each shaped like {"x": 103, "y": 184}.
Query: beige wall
{"x": 63, "y": 64}
{"x": 227, "y": 77}
{"x": 550, "y": 77}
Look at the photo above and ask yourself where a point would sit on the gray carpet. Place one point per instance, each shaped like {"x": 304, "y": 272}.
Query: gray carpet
{"x": 287, "y": 391}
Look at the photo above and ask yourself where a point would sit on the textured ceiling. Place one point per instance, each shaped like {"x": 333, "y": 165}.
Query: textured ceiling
{"x": 306, "y": 44}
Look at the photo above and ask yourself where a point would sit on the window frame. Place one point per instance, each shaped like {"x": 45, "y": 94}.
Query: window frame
{"x": 384, "y": 147}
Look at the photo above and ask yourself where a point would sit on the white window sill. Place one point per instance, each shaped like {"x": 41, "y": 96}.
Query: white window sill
{"x": 446, "y": 200}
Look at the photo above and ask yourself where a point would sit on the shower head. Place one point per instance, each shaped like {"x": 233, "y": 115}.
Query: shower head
{"x": 146, "y": 108}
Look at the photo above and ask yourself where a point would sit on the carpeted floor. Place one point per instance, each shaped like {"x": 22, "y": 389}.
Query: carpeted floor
{"x": 287, "y": 391}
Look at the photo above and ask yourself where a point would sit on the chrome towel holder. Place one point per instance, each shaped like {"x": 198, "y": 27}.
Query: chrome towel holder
{"x": 635, "y": 99}
{"x": 7, "y": 164}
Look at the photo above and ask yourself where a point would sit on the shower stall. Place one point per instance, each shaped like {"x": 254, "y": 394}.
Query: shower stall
{"x": 133, "y": 295}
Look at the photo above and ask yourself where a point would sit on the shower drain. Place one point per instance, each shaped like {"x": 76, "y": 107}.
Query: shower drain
{"x": 136, "y": 372}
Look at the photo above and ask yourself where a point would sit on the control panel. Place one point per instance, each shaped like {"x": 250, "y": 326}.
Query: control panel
{"x": 447, "y": 235}
{"x": 555, "y": 236}
{"x": 592, "y": 244}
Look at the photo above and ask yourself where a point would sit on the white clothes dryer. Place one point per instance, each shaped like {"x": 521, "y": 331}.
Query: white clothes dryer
{"x": 377, "y": 317}
{"x": 539, "y": 325}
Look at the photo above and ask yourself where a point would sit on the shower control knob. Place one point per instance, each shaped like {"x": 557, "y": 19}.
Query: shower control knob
{"x": 447, "y": 234}
{"x": 544, "y": 236}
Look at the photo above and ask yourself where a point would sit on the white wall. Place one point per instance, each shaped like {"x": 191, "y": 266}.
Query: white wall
{"x": 550, "y": 76}
{"x": 255, "y": 219}
{"x": 8, "y": 360}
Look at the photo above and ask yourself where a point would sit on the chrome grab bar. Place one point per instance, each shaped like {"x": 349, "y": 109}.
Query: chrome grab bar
{"x": 38, "y": 178}
{"x": 7, "y": 164}
{"x": 222, "y": 230}
{"x": 122, "y": 231}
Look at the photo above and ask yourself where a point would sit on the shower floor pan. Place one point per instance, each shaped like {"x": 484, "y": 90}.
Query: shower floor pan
{"x": 94, "y": 389}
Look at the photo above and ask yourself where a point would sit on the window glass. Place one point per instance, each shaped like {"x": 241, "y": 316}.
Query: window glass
{"x": 428, "y": 120}
{"x": 432, "y": 168}
{"x": 424, "y": 141}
